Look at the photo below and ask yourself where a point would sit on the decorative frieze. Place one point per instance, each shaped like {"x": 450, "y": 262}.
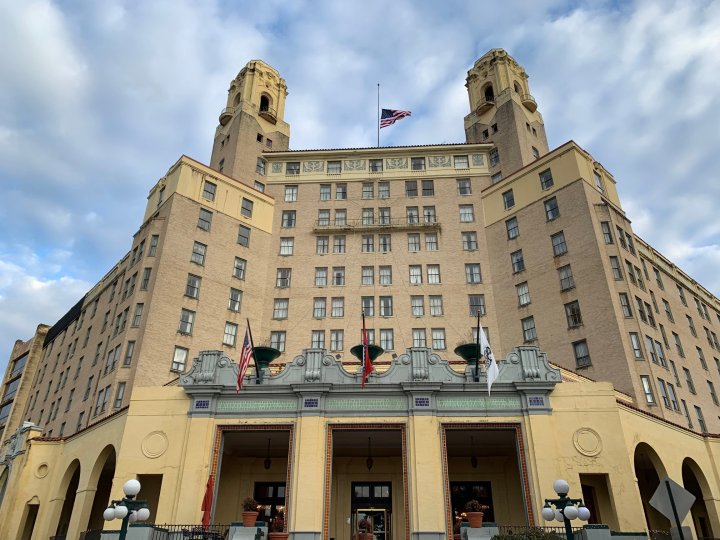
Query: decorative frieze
{"x": 313, "y": 166}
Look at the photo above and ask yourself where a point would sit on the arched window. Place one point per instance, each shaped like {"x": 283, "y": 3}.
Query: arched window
{"x": 237, "y": 99}
{"x": 489, "y": 94}
{"x": 517, "y": 88}
{"x": 264, "y": 103}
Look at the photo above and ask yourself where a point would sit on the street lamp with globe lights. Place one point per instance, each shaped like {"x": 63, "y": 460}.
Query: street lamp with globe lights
{"x": 566, "y": 509}
{"x": 128, "y": 509}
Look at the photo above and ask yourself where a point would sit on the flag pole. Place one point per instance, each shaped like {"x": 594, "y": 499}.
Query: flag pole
{"x": 252, "y": 346}
{"x": 477, "y": 355}
{"x": 378, "y": 116}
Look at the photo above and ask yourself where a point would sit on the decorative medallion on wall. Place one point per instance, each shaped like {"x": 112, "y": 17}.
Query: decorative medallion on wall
{"x": 587, "y": 441}
{"x": 154, "y": 444}
{"x": 478, "y": 160}
{"x": 396, "y": 163}
{"x": 439, "y": 161}
{"x": 42, "y": 470}
{"x": 313, "y": 166}
{"x": 277, "y": 167}
{"x": 354, "y": 165}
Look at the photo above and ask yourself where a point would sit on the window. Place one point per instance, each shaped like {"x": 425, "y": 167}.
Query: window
{"x": 469, "y": 241}
{"x": 334, "y": 167}
{"x": 431, "y": 241}
{"x": 631, "y": 247}
{"x": 566, "y": 278}
{"x": 230, "y": 336}
{"x": 415, "y": 274}
{"x": 429, "y": 214}
{"x": 518, "y": 263}
{"x": 198, "y": 253}
{"x": 317, "y": 339}
{"x": 528, "y": 329}
{"x": 673, "y": 397}
{"x": 558, "y": 244}
{"x": 523, "y": 293}
{"x": 535, "y": 152}
{"x": 476, "y": 303}
{"x": 325, "y": 191}
{"x": 647, "y": 389}
{"x": 513, "y": 230}
{"x": 338, "y": 307}
{"x": 187, "y": 318}
{"x": 154, "y": 239}
{"x": 433, "y": 273}
{"x": 280, "y": 308}
{"x": 663, "y": 392}
{"x": 367, "y": 275}
{"x": 668, "y": 311}
{"x": 319, "y": 308}
{"x": 179, "y": 359}
{"x": 411, "y": 212}
{"x": 607, "y": 233}
{"x": 119, "y": 394}
{"x": 239, "y": 268}
{"x": 494, "y": 157}
{"x": 689, "y": 381}
{"x": 129, "y": 351}
{"x": 386, "y": 306}
{"x": 713, "y": 395}
{"x": 413, "y": 242}
{"x": 551, "y": 209}
{"x": 367, "y": 190}
{"x": 337, "y": 337}
{"x": 635, "y": 343}
{"x": 292, "y": 168}
{"x": 277, "y": 341}
{"x": 385, "y": 275}
{"x": 161, "y": 196}
{"x": 701, "y": 357}
{"x": 209, "y": 190}
{"x": 321, "y": 277}
{"x": 387, "y": 341}
{"x": 383, "y": 190}
{"x": 691, "y": 326}
{"x": 286, "y": 246}
{"x": 338, "y": 275}
{"x": 461, "y": 162}
{"x": 464, "y": 187}
{"x": 260, "y": 167}
{"x": 291, "y": 192}
{"x": 472, "y": 273}
{"x": 247, "y": 208}
{"x": 467, "y": 213}
{"x": 368, "y": 243}
{"x": 641, "y": 310}
{"x": 368, "y": 306}
{"x": 508, "y": 199}
{"x": 681, "y": 294}
{"x": 137, "y": 316}
{"x": 658, "y": 278}
{"x": 546, "y": 180}
{"x": 288, "y": 219}
{"x": 322, "y": 245}
{"x": 598, "y": 182}
{"x": 615, "y": 267}
{"x": 700, "y": 419}
{"x": 205, "y": 219}
{"x": 244, "y": 236}
{"x": 120, "y": 321}
{"x": 495, "y": 178}
{"x": 582, "y": 354}
{"x": 145, "y": 281}
{"x": 417, "y": 306}
{"x": 340, "y": 192}
{"x": 678, "y": 345}
{"x": 572, "y": 314}
{"x": 436, "y": 305}
{"x": 417, "y": 163}
{"x": 339, "y": 244}
{"x": 282, "y": 278}
{"x": 438, "y": 339}
{"x": 418, "y": 336}
{"x": 384, "y": 243}
{"x": 376, "y": 165}
{"x": 428, "y": 188}
{"x": 674, "y": 371}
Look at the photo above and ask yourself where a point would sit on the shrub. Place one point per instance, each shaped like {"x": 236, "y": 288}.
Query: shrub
{"x": 249, "y": 504}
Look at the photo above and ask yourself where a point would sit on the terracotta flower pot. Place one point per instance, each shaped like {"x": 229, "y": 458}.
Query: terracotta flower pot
{"x": 277, "y": 536}
{"x": 475, "y": 519}
{"x": 366, "y": 536}
{"x": 249, "y": 518}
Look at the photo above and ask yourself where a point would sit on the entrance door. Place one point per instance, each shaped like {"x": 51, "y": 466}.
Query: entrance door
{"x": 462, "y": 492}
{"x": 271, "y": 495}
{"x": 372, "y": 509}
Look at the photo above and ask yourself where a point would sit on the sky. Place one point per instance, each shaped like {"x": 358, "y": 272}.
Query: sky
{"x": 99, "y": 99}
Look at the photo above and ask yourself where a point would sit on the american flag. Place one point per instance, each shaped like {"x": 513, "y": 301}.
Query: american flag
{"x": 390, "y": 116}
{"x": 245, "y": 355}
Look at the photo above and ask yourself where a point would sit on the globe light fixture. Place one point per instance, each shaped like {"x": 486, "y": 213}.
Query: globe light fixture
{"x": 565, "y": 508}
{"x": 128, "y": 509}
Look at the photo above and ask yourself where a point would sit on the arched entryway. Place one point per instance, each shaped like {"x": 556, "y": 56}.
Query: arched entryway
{"x": 68, "y": 491}
{"x": 101, "y": 478}
{"x": 694, "y": 481}
{"x": 649, "y": 469}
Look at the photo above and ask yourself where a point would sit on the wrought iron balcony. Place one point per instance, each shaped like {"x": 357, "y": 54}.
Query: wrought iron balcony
{"x": 226, "y": 115}
{"x": 269, "y": 114}
{"x": 323, "y": 225}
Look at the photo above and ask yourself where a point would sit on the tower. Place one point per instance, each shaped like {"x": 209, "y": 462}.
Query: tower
{"x": 251, "y": 122}
{"x": 503, "y": 112}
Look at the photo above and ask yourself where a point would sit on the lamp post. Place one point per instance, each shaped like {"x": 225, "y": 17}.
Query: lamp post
{"x": 566, "y": 509}
{"x": 129, "y": 509}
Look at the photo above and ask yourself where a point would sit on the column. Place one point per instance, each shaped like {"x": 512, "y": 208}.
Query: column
{"x": 309, "y": 476}
{"x": 426, "y": 485}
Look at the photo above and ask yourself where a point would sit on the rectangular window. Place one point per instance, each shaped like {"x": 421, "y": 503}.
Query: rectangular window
{"x": 658, "y": 279}
{"x": 472, "y": 273}
{"x": 247, "y": 208}
{"x": 291, "y": 191}
{"x": 286, "y": 246}
{"x": 417, "y": 306}
{"x": 413, "y": 242}
{"x": 367, "y": 275}
{"x": 415, "y": 274}
{"x": 436, "y": 305}
{"x": 179, "y": 359}
{"x": 615, "y": 267}
{"x": 387, "y": 341}
{"x": 433, "y": 273}
{"x": 700, "y": 419}
{"x": 631, "y": 246}
{"x": 239, "y": 268}
{"x": 386, "y": 306}
{"x": 319, "y": 308}
{"x": 476, "y": 303}
{"x": 338, "y": 307}
{"x": 691, "y": 326}
{"x": 673, "y": 397}
{"x": 681, "y": 294}
{"x": 260, "y": 166}
{"x": 137, "y": 316}
{"x": 325, "y": 192}
{"x": 282, "y": 278}
{"x": 607, "y": 232}
{"x": 322, "y": 245}
{"x": 678, "y": 345}
{"x": 495, "y": 178}
{"x": 230, "y": 336}
{"x": 339, "y": 244}
{"x": 668, "y": 311}
{"x": 129, "y": 351}
{"x": 598, "y": 182}
{"x": 198, "y": 253}
{"x": 689, "y": 381}
{"x": 384, "y": 243}
{"x": 551, "y": 209}
{"x": 209, "y": 190}
{"x": 334, "y": 167}
{"x": 341, "y": 192}
{"x": 368, "y": 190}
{"x": 119, "y": 394}
{"x": 205, "y": 219}
{"x": 337, "y": 338}
{"x": 384, "y": 216}
{"x": 701, "y": 357}
{"x": 412, "y": 215}
{"x": 368, "y": 306}
{"x": 469, "y": 241}
{"x": 566, "y": 278}
{"x": 419, "y": 338}
{"x": 383, "y": 190}
{"x": 277, "y": 341}
{"x": 338, "y": 275}
{"x": 517, "y": 261}
{"x": 431, "y": 241}
{"x": 259, "y": 186}
{"x": 546, "y": 180}
{"x": 429, "y": 214}
{"x": 428, "y": 188}
{"x": 464, "y": 187}
{"x": 438, "y": 339}
{"x": 280, "y": 308}
{"x": 243, "y": 236}
{"x": 582, "y": 354}
{"x": 321, "y": 277}
{"x": 663, "y": 392}
{"x": 154, "y": 239}
{"x": 635, "y": 343}
{"x": 288, "y": 219}
{"x": 368, "y": 243}
{"x": 641, "y": 309}
{"x": 508, "y": 199}
{"x": 528, "y": 329}
{"x": 385, "y": 275}
{"x": 235, "y": 299}
{"x": 647, "y": 389}
{"x": 494, "y": 157}
{"x": 376, "y": 165}
{"x": 558, "y": 244}
{"x": 317, "y": 339}
{"x": 187, "y": 318}
{"x": 573, "y": 315}
{"x": 292, "y": 168}
{"x": 523, "y": 293}
{"x": 461, "y": 162}
{"x": 145, "y": 279}
{"x": 513, "y": 230}
{"x": 417, "y": 163}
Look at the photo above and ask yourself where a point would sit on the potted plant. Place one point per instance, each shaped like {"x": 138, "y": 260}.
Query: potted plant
{"x": 277, "y": 528}
{"x": 474, "y": 511}
{"x": 365, "y": 528}
{"x": 250, "y": 512}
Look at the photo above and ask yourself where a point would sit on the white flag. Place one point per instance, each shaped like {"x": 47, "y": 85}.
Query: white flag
{"x": 491, "y": 368}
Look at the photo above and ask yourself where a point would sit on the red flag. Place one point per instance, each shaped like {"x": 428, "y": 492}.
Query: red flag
{"x": 245, "y": 355}
{"x": 367, "y": 364}
{"x": 207, "y": 502}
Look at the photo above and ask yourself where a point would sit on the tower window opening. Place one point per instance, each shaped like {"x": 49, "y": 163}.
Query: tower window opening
{"x": 517, "y": 88}
{"x": 489, "y": 94}
{"x": 264, "y": 103}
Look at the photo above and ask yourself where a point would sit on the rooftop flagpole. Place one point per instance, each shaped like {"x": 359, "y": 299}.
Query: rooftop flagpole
{"x": 378, "y": 116}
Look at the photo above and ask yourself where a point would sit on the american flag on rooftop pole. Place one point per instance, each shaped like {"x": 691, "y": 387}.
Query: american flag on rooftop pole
{"x": 390, "y": 116}
{"x": 245, "y": 355}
